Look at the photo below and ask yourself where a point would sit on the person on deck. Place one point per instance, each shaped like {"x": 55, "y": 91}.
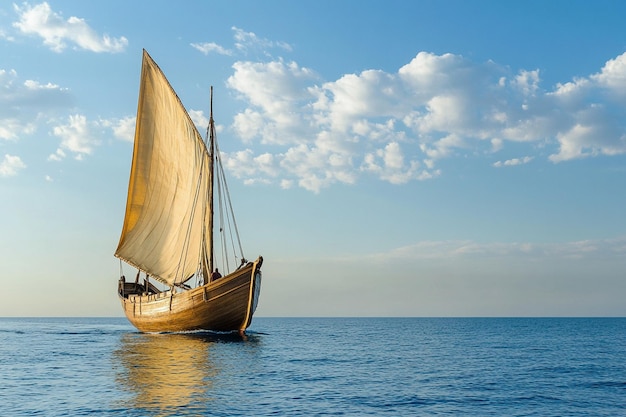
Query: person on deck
{"x": 216, "y": 275}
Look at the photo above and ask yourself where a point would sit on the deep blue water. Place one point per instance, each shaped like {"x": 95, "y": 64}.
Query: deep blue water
{"x": 317, "y": 367}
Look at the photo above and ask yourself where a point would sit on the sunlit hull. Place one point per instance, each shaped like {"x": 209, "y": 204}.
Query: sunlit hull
{"x": 223, "y": 305}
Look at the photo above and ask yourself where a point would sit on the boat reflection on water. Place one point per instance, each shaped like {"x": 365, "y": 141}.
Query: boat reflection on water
{"x": 163, "y": 372}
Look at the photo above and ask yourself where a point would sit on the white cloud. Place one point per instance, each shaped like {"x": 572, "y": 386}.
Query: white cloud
{"x": 442, "y": 148}
{"x": 57, "y": 156}
{"x": 208, "y": 47}
{"x": 389, "y": 164}
{"x": 286, "y": 184}
{"x": 398, "y": 125}
{"x": 200, "y": 120}
{"x": 57, "y": 32}
{"x": 245, "y": 43}
{"x": 124, "y": 128}
{"x": 249, "y": 164}
{"x": 277, "y": 91}
{"x": 76, "y": 137}
{"x": 22, "y": 104}
{"x": 248, "y": 124}
{"x": 527, "y": 82}
{"x": 12, "y": 128}
{"x": 249, "y": 41}
{"x": 595, "y": 132}
{"x": 445, "y": 113}
{"x": 427, "y": 74}
{"x": 613, "y": 75}
{"x": 496, "y": 144}
{"x": 513, "y": 162}
{"x": 11, "y": 165}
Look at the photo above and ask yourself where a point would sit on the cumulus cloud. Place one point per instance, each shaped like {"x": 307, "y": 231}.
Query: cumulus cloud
{"x": 301, "y": 130}
{"x": 277, "y": 93}
{"x": 26, "y": 105}
{"x": 10, "y": 165}
{"x": 76, "y": 136}
{"x": 22, "y": 103}
{"x": 13, "y": 128}
{"x": 390, "y": 165}
{"x": 613, "y": 76}
{"x": 397, "y": 125}
{"x": 124, "y": 128}
{"x": 57, "y": 32}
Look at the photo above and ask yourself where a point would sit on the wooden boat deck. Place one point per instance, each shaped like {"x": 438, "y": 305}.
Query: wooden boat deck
{"x": 226, "y": 304}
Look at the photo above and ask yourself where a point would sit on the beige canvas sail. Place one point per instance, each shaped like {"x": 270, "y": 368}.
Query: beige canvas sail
{"x": 166, "y": 224}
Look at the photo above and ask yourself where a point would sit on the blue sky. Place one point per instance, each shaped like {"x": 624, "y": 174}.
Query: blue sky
{"x": 397, "y": 158}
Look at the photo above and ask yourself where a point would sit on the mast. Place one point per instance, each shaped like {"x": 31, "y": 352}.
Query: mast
{"x": 212, "y": 181}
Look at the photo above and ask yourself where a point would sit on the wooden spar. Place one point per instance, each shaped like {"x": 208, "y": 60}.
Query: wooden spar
{"x": 211, "y": 185}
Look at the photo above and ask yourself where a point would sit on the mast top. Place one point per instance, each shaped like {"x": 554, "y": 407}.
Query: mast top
{"x": 211, "y": 114}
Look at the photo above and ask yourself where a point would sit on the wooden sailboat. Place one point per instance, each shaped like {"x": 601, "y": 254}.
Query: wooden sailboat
{"x": 168, "y": 226}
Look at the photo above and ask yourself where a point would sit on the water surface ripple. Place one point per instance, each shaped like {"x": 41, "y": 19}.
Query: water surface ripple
{"x": 316, "y": 367}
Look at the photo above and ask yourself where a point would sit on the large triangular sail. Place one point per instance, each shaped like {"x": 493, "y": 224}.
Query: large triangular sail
{"x": 166, "y": 231}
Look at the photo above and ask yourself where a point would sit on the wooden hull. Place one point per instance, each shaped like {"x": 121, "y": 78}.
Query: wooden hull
{"x": 223, "y": 305}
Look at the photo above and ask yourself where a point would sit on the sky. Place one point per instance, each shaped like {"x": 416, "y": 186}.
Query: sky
{"x": 398, "y": 158}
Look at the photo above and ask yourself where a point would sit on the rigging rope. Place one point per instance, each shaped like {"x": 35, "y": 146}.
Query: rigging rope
{"x": 228, "y": 199}
{"x": 220, "y": 205}
{"x": 185, "y": 251}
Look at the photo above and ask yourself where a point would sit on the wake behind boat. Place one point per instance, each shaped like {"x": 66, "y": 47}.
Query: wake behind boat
{"x": 168, "y": 226}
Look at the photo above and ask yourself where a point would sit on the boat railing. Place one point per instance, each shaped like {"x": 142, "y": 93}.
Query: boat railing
{"x": 127, "y": 289}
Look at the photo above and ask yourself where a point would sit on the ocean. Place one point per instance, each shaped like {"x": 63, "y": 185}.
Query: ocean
{"x": 316, "y": 367}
